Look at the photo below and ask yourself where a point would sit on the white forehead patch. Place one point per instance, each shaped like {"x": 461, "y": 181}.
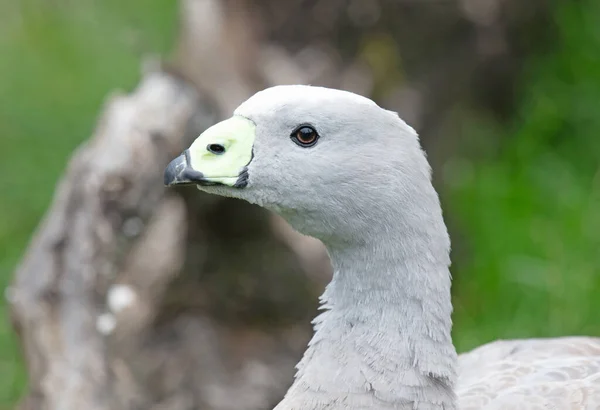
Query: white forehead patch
{"x": 270, "y": 98}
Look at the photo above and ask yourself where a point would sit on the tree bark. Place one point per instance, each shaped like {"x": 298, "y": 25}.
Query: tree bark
{"x": 111, "y": 188}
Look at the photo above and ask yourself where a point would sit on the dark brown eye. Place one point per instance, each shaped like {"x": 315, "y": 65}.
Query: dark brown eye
{"x": 305, "y": 136}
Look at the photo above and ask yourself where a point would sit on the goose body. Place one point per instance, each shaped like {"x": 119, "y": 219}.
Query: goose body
{"x": 340, "y": 168}
{"x": 552, "y": 373}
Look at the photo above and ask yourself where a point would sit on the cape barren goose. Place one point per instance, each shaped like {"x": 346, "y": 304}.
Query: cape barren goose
{"x": 338, "y": 167}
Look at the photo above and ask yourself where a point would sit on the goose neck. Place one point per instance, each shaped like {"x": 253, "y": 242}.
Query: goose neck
{"x": 384, "y": 336}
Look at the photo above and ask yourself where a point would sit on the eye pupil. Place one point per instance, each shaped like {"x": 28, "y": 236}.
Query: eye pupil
{"x": 305, "y": 136}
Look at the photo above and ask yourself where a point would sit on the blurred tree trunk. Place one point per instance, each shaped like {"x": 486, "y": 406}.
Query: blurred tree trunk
{"x": 132, "y": 296}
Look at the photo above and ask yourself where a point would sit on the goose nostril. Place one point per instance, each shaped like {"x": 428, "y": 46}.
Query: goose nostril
{"x": 217, "y": 149}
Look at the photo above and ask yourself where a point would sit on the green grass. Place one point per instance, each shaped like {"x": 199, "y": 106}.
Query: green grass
{"x": 59, "y": 61}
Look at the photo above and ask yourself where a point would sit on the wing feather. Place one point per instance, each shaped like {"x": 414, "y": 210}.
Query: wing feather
{"x": 530, "y": 374}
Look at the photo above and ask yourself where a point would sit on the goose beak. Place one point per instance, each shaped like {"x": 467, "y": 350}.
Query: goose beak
{"x": 219, "y": 156}
{"x": 179, "y": 172}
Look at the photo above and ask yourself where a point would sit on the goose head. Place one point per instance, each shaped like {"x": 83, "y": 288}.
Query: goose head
{"x": 330, "y": 162}
{"x": 342, "y": 169}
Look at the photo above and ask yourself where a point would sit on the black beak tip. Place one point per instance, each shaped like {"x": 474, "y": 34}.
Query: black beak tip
{"x": 173, "y": 174}
{"x": 178, "y": 172}
{"x": 170, "y": 174}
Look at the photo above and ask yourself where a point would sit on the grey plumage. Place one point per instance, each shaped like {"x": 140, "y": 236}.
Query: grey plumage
{"x": 383, "y": 340}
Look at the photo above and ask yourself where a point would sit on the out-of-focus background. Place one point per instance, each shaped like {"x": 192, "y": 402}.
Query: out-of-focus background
{"x": 505, "y": 95}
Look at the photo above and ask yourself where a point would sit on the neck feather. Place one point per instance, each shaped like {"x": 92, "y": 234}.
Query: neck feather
{"x": 383, "y": 340}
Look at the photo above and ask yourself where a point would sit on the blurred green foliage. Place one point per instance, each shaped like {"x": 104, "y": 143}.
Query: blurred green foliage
{"x": 529, "y": 207}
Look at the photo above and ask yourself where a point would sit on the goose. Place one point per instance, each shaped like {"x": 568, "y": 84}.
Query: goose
{"x": 338, "y": 167}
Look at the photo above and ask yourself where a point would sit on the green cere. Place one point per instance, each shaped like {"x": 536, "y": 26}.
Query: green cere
{"x": 236, "y": 135}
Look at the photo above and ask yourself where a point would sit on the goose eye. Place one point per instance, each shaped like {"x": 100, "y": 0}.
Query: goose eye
{"x": 305, "y": 136}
